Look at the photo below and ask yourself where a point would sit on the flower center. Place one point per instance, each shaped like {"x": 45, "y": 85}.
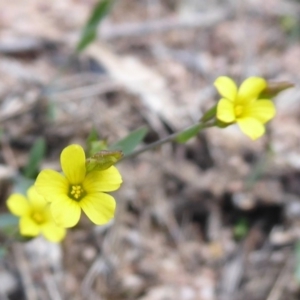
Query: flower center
{"x": 238, "y": 110}
{"x": 38, "y": 217}
{"x": 76, "y": 192}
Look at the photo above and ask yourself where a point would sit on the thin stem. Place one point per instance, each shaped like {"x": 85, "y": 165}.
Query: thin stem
{"x": 170, "y": 138}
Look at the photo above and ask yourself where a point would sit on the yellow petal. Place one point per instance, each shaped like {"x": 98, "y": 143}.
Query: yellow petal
{"x": 250, "y": 90}
{"x": 99, "y": 207}
{"x": 36, "y": 200}
{"x": 102, "y": 181}
{"x": 251, "y": 127}
{"x": 226, "y": 87}
{"x": 18, "y": 205}
{"x": 72, "y": 160}
{"x": 65, "y": 211}
{"x": 28, "y": 227}
{"x": 225, "y": 111}
{"x": 52, "y": 232}
{"x": 51, "y": 184}
{"x": 262, "y": 110}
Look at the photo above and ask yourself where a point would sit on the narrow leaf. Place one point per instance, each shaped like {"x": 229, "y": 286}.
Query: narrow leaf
{"x": 187, "y": 134}
{"x": 94, "y": 145}
{"x": 128, "y": 144}
{"x": 89, "y": 33}
{"x": 36, "y": 155}
{"x": 297, "y": 262}
{"x": 210, "y": 114}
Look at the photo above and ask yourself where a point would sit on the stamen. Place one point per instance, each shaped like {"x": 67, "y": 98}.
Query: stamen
{"x": 238, "y": 110}
{"x": 76, "y": 192}
{"x": 38, "y": 217}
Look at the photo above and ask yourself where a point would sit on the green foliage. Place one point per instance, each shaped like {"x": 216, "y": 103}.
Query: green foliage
{"x": 221, "y": 124}
{"x": 210, "y": 114}
{"x": 89, "y": 33}
{"x": 274, "y": 88}
{"x": 128, "y": 144}
{"x": 291, "y": 25}
{"x": 8, "y": 220}
{"x": 103, "y": 160}
{"x": 36, "y": 155}
{"x": 8, "y": 223}
{"x": 93, "y": 136}
{"x": 187, "y": 134}
{"x": 241, "y": 229}
{"x": 258, "y": 168}
{"x": 297, "y": 264}
{"x": 94, "y": 145}
{"x": 1, "y": 133}
{"x": 51, "y": 110}
{"x": 3, "y": 252}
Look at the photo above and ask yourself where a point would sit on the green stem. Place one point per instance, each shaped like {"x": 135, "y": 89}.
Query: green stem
{"x": 170, "y": 138}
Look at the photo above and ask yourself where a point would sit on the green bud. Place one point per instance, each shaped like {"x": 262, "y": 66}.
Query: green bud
{"x": 103, "y": 160}
{"x": 274, "y": 88}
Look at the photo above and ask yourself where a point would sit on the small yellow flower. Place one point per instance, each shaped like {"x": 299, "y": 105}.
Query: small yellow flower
{"x": 35, "y": 216}
{"x": 76, "y": 189}
{"x": 243, "y": 106}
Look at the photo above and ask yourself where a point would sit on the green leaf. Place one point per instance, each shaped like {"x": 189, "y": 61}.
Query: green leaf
{"x": 97, "y": 146}
{"x": 221, "y": 124}
{"x": 3, "y": 252}
{"x": 103, "y": 160}
{"x": 297, "y": 267}
{"x": 128, "y": 144}
{"x": 36, "y": 155}
{"x": 8, "y": 220}
{"x": 259, "y": 168}
{"x": 8, "y": 224}
{"x": 187, "y": 134}
{"x": 94, "y": 145}
{"x": 241, "y": 229}
{"x": 93, "y": 136}
{"x": 51, "y": 113}
{"x": 210, "y": 114}
{"x": 89, "y": 33}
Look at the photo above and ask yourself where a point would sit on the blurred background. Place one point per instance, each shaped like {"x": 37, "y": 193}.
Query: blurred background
{"x": 215, "y": 219}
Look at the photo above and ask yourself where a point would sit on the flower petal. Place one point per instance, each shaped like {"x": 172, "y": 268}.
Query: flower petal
{"x": 52, "y": 232}
{"x": 72, "y": 160}
{"x": 18, "y": 205}
{"x": 262, "y": 110}
{"x": 36, "y": 200}
{"x": 251, "y": 127}
{"x": 102, "y": 181}
{"x": 65, "y": 211}
{"x": 250, "y": 90}
{"x": 28, "y": 227}
{"x": 226, "y": 87}
{"x": 51, "y": 184}
{"x": 99, "y": 207}
{"x": 225, "y": 111}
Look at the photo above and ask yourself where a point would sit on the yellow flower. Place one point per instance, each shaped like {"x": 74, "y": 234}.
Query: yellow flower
{"x": 76, "y": 189}
{"x": 35, "y": 216}
{"x": 243, "y": 106}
